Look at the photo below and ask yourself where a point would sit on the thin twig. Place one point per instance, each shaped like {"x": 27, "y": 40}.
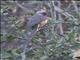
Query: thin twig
{"x": 60, "y": 18}
{"x": 22, "y": 7}
{"x": 63, "y": 12}
{"x": 29, "y": 39}
{"x": 75, "y": 6}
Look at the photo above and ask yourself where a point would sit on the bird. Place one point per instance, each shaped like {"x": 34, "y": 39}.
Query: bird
{"x": 38, "y": 20}
{"x": 35, "y": 23}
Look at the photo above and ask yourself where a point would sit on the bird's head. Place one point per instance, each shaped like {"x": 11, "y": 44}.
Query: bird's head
{"x": 42, "y": 11}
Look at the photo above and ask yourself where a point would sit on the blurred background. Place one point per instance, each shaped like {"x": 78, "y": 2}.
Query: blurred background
{"x": 59, "y": 40}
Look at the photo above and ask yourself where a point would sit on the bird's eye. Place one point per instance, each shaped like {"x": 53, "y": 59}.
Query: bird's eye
{"x": 44, "y": 13}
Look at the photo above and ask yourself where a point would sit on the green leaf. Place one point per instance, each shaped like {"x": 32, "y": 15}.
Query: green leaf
{"x": 43, "y": 57}
{"x": 10, "y": 37}
{"x": 71, "y": 36}
{"x": 51, "y": 21}
{"x": 1, "y": 36}
{"x": 5, "y": 54}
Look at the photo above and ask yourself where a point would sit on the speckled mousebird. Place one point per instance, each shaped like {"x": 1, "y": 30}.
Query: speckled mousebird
{"x": 36, "y": 23}
{"x": 38, "y": 20}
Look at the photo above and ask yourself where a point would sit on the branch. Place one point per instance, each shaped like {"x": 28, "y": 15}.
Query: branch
{"x": 75, "y": 6}
{"x": 60, "y": 18}
{"x": 27, "y": 41}
{"x": 23, "y": 8}
{"x": 62, "y": 12}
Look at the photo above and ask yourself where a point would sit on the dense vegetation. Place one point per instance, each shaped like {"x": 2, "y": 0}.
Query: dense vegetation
{"x": 58, "y": 41}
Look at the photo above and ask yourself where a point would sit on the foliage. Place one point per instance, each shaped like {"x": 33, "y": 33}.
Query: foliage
{"x": 50, "y": 43}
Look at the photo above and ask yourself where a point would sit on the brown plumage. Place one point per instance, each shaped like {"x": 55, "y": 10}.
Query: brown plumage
{"x": 38, "y": 20}
{"x": 35, "y": 23}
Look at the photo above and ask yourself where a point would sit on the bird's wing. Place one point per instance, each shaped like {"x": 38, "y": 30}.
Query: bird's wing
{"x": 36, "y": 19}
